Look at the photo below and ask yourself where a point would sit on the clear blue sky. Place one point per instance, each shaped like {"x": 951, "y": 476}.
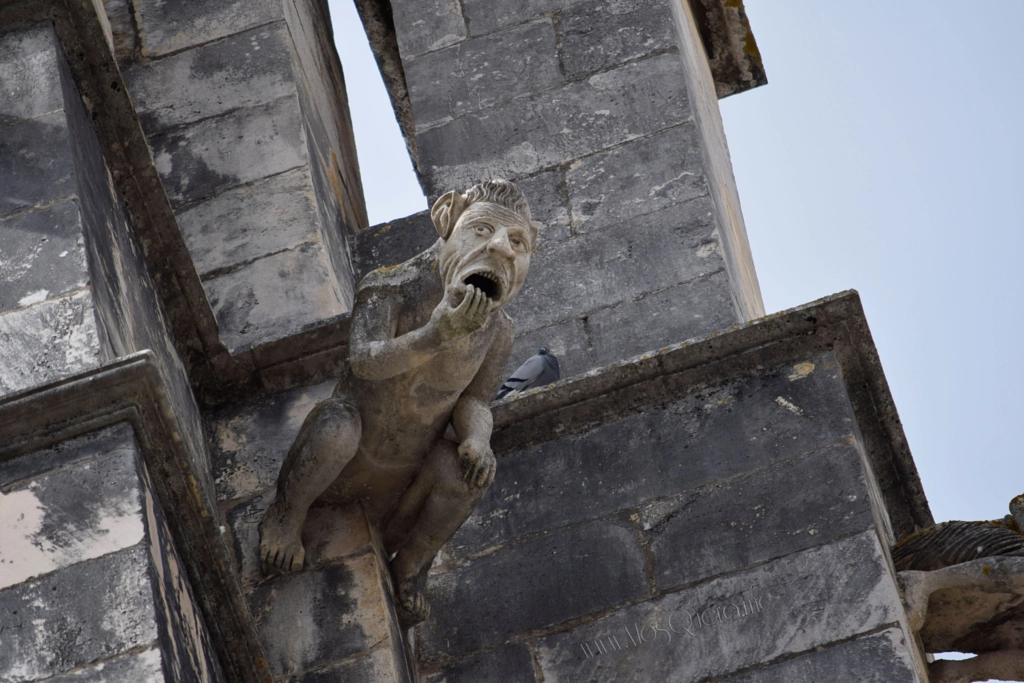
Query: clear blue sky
{"x": 884, "y": 155}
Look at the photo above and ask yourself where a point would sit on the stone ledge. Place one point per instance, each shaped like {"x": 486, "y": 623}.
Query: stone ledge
{"x": 835, "y": 323}
{"x": 733, "y": 56}
{"x": 132, "y": 389}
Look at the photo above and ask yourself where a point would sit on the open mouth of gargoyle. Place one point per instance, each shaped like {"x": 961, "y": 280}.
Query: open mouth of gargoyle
{"x": 486, "y": 282}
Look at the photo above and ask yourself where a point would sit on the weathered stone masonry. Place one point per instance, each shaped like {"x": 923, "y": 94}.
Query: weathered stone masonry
{"x": 181, "y": 231}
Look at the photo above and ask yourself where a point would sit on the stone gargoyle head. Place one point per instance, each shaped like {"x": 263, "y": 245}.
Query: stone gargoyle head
{"x": 489, "y": 238}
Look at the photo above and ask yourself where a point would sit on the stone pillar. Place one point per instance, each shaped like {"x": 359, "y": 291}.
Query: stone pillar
{"x": 91, "y": 585}
{"x": 243, "y": 105}
{"x": 605, "y": 113}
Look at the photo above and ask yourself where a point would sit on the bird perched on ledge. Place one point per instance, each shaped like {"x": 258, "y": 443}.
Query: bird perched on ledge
{"x": 537, "y": 371}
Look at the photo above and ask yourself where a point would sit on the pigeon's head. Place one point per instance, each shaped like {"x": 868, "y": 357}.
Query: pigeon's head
{"x": 543, "y": 351}
{"x": 489, "y": 238}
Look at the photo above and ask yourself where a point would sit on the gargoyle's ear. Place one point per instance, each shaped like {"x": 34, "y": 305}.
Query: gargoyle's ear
{"x": 446, "y": 212}
{"x": 536, "y": 234}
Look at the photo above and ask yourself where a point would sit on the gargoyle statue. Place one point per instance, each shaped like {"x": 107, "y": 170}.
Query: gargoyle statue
{"x": 963, "y": 589}
{"x": 428, "y": 343}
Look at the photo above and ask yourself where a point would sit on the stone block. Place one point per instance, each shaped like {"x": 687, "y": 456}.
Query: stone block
{"x": 707, "y": 437}
{"x": 243, "y": 519}
{"x": 185, "y": 641}
{"x": 35, "y": 163}
{"x": 602, "y": 34}
{"x": 792, "y": 605}
{"x": 426, "y": 25}
{"x": 481, "y": 73}
{"x": 548, "y": 205}
{"x": 173, "y": 26}
{"x": 693, "y": 309}
{"x": 254, "y": 220}
{"x": 567, "y": 341}
{"x": 274, "y": 297}
{"x": 88, "y": 611}
{"x": 509, "y": 663}
{"x": 556, "y": 126}
{"x": 485, "y": 16}
{"x": 330, "y": 533}
{"x": 48, "y": 341}
{"x": 609, "y": 266}
{"x": 335, "y": 532}
{"x": 541, "y": 582}
{"x": 328, "y": 124}
{"x": 72, "y": 515}
{"x": 391, "y": 243}
{"x": 118, "y": 437}
{"x": 882, "y": 657}
{"x": 249, "y": 441}
{"x": 315, "y": 617}
{"x": 136, "y": 667}
{"x": 215, "y": 154}
{"x": 28, "y": 74}
{"x": 739, "y": 522}
{"x": 244, "y": 70}
{"x": 379, "y": 666}
{"x": 640, "y": 178}
{"x": 43, "y": 255}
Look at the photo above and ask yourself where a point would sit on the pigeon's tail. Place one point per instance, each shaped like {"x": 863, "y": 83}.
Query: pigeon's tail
{"x": 508, "y": 386}
{"x": 537, "y": 371}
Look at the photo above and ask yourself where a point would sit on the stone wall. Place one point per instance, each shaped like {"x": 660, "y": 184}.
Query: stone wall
{"x": 722, "y": 531}
{"x": 92, "y": 587}
{"x": 243, "y": 106}
{"x": 721, "y": 510}
{"x": 697, "y": 515}
{"x": 47, "y": 321}
{"x": 606, "y": 114}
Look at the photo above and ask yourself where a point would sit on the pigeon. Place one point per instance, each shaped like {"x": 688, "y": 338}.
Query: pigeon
{"x": 535, "y": 372}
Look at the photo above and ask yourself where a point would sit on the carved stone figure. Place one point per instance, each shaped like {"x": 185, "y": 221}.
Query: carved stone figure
{"x": 963, "y": 589}
{"x": 428, "y": 344}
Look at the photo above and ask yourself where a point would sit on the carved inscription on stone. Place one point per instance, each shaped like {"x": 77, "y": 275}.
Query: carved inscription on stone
{"x": 679, "y": 625}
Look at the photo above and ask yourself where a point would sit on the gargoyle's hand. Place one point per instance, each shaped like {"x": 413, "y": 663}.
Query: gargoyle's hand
{"x": 478, "y": 463}
{"x": 455, "y": 319}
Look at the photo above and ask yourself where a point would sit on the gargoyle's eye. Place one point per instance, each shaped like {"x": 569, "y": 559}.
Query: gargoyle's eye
{"x": 483, "y": 229}
{"x": 517, "y": 243}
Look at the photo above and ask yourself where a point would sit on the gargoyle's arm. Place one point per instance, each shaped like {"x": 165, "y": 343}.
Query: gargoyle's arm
{"x": 374, "y": 351}
{"x": 472, "y": 415}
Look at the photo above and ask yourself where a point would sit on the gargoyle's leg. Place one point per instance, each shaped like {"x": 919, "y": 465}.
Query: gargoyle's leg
{"x": 326, "y": 443}
{"x": 443, "y": 501}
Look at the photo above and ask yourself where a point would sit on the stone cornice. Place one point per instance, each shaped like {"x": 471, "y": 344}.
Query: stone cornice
{"x": 732, "y": 53}
{"x": 132, "y": 390}
{"x": 835, "y": 324}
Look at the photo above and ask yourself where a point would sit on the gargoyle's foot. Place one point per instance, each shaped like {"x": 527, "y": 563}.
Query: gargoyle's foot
{"x": 411, "y": 605}
{"x": 280, "y": 542}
